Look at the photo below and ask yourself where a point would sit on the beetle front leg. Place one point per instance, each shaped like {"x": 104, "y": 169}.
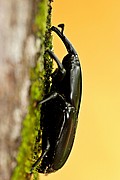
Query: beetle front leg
{"x": 52, "y": 55}
{"x": 67, "y": 43}
{"x": 62, "y": 72}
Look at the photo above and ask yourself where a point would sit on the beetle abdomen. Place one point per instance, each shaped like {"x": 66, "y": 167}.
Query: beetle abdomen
{"x": 66, "y": 139}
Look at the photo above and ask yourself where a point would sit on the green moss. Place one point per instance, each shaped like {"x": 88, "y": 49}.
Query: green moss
{"x": 41, "y": 17}
{"x": 30, "y": 148}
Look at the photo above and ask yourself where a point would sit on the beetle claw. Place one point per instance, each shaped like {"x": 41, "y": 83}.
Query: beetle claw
{"x": 62, "y": 27}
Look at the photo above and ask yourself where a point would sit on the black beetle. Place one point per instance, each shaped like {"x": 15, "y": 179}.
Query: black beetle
{"x": 61, "y": 108}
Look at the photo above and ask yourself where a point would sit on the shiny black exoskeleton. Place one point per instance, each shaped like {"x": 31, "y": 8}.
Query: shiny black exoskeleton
{"x": 61, "y": 108}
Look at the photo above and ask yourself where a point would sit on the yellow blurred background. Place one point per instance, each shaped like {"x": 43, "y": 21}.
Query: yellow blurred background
{"x": 94, "y": 29}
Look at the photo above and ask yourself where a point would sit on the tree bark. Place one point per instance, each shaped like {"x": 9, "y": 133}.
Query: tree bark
{"x": 17, "y": 50}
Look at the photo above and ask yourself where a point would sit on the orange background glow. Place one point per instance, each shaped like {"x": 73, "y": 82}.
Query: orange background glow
{"x": 94, "y": 29}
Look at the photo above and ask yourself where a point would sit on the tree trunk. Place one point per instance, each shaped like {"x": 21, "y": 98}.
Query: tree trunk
{"x": 17, "y": 51}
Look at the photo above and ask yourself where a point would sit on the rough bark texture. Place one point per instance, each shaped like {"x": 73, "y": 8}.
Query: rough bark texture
{"x": 17, "y": 49}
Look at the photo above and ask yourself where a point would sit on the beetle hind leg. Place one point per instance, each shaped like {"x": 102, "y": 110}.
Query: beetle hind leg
{"x": 41, "y": 157}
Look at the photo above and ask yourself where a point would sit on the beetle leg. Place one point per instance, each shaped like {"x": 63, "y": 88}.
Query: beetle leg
{"x": 62, "y": 27}
{"x": 66, "y": 42}
{"x": 42, "y": 156}
{"x": 52, "y": 55}
{"x": 52, "y": 96}
{"x": 60, "y": 66}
